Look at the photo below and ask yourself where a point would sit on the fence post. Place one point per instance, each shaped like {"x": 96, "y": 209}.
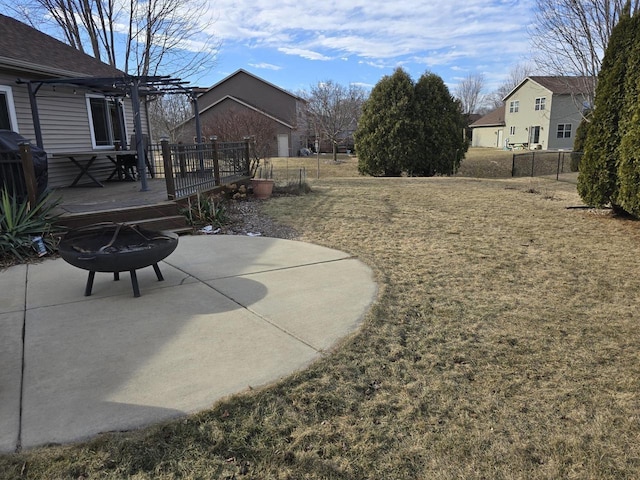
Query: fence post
{"x": 558, "y": 170}
{"x": 247, "y": 154}
{"x": 533, "y": 163}
{"x": 168, "y": 169}
{"x": 513, "y": 165}
{"x": 29, "y": 173}
{"x": 216, "y": 164}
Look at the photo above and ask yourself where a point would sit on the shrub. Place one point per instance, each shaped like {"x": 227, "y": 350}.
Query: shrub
{"x": 20, "y": 223}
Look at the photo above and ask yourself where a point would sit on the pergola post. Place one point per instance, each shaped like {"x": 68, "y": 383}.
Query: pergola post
{"x": 34, "y": 114}
{"x": 137, "y": 123}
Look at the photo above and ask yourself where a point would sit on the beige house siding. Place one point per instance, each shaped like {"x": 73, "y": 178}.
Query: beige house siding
{"x": 527, "y": 117}
{"x": 488, "y": 136}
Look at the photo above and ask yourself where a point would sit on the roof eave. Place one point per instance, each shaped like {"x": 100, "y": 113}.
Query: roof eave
{"x": 28, "y": 67}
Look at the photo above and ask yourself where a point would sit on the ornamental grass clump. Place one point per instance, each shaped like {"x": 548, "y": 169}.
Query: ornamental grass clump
{"x": 206, "y": 210}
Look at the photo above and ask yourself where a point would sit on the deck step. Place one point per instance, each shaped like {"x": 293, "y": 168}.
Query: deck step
{"x": 160, "y": 216}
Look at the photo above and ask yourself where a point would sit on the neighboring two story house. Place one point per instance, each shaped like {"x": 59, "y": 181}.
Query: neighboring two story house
{"x": 243, "y": 91}
{"x": 540, "y": 113}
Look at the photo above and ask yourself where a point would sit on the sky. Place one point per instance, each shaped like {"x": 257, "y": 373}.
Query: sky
{"x": 295, "y": 44}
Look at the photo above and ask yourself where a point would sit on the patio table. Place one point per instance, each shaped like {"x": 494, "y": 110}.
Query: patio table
{"x": 83, "y": 161}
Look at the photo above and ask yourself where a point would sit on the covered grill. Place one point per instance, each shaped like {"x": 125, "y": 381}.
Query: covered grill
{"x": 11, "y": 176}
{"x": 115, "y": 248}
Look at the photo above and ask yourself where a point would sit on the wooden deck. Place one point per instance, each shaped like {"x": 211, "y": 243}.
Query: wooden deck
{"x": 114, "y": 195}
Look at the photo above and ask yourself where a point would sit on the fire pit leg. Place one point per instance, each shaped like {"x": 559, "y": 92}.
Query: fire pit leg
{"x": 134, "y": 283}
{"x": 116, "y": 276}
{"x": 89, "y": 287}
{"x": 156, "y": 268}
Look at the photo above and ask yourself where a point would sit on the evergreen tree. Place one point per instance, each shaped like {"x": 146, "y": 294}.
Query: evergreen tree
{"x": 628, "y": 197}
{"x": 441, "y": 143}
{"x": 597, "y": 179}
{"x": 385, "y": 136}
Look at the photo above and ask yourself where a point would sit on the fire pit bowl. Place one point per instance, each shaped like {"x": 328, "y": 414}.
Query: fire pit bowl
{"x": 115, "y": 248}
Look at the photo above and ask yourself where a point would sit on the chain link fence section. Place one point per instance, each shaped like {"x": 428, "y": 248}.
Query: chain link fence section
{"x": 544, "y": 163}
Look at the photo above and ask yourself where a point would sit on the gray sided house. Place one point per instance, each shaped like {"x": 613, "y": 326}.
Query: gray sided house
{"x": 72, "y": 117}
{"x": 539, "y": 113}
{"x": 244, "y": 92}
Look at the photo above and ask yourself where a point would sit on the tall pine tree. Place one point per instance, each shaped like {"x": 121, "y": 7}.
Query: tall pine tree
{"x": 441, "y": 143}
{"x": 628, "y": 195}
{"x": 598, "y": 176}
{"x": 385, "y": 136}
{"x": 410, "y": 128}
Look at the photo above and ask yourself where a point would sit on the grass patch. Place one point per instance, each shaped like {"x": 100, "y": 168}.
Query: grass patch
{"x": 504, "y": 345}
{"x": 486, "y": 163}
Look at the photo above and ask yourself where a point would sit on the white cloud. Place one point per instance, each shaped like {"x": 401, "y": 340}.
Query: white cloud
{"x": 455, "y": 35}
{"x": 265, "y": 66}
{"x": 308, "y": 54}
{"x": 373, "y": 29}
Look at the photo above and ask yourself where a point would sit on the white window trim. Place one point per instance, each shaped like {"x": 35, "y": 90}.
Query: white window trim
{"x": 540, "y": 104}
{"x": 11, "y": 106}
{"x": 514, "y": 106}
{"x": 88, "y": 98}
{"x": 512, "y": 130}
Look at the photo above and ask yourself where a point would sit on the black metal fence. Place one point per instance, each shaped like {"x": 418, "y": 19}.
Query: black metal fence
{"x": 193, "y": 168}
{"x": 538, "y": 164}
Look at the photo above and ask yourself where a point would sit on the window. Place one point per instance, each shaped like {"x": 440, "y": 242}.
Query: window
{"x": 8, "y": 120}
{"x": 564, "y": 130}
{"x": 514, "y": 106}
{"x": 106, "y": 121}
{"x": 540, "y": 103}
{"x": 512, "y": 130}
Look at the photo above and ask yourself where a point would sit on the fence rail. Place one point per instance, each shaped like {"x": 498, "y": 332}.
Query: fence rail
{"x": 193, "y": 168}
{"x": 537, "y": 164}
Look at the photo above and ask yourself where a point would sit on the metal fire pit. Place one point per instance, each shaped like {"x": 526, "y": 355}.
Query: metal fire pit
{"x": 115, "y": 248}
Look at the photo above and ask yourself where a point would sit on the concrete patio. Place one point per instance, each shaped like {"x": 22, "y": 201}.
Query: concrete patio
{"x": 232, "y": 313}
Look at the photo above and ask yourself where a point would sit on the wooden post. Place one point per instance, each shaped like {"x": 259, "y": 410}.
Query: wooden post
{"x": 247, "y": 154}
{"x": 216, "y": 164}
{"x": 29, "y": 173}
{"x": 168, "y": 169}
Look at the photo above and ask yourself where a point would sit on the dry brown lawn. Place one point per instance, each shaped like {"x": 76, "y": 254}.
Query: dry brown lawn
{"x": 504, "y": 345}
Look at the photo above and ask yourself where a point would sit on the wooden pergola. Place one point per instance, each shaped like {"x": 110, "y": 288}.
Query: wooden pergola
{"x": 130, "y": 86}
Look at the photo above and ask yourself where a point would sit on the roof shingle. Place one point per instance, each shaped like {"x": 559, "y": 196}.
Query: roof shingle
{"x": 26, "y": 48}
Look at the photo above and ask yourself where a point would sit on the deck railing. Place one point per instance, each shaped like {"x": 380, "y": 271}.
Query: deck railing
{"x": 192, "y": 168}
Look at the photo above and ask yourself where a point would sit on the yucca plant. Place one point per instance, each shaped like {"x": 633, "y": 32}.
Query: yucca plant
{"x": 20, "y": 223}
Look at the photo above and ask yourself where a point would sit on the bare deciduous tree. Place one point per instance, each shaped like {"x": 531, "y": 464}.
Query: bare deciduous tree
{"x": 516, "y": 75}
{"x": 469, "y": 92}
{"x": 234, "y": 125}
{"x": 142, "y": 38}
{"x": 333, "y": 110}
{"x": 166, "y": 113}
{"x": 570, "y": 36}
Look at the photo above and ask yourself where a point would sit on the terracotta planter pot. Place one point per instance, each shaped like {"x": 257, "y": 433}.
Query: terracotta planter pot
{"x": 262, "y": 187}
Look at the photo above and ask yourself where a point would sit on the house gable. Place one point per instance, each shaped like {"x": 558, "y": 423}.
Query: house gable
{"x": 254, "y": 91}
